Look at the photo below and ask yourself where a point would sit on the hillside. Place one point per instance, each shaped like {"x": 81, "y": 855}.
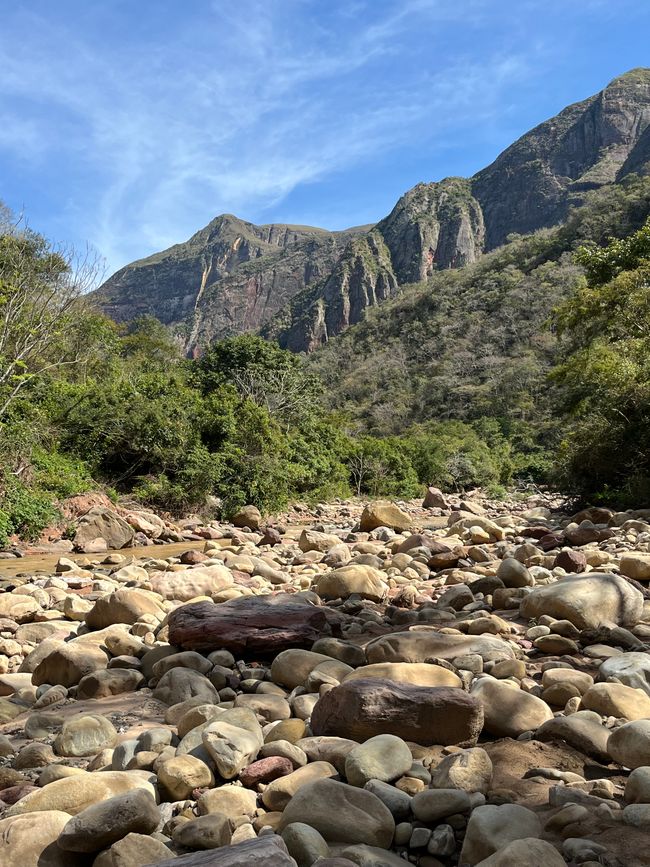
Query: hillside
{"x": 302, "y": 286}
{"x": 473, "y": 342}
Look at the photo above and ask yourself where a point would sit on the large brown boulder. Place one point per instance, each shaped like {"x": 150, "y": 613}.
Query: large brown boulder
{"x": 383, "y": 513}
{"x": 256, "y": 624}
{"x": 588, "y": 601}
{"x": 362, "y": 709}
{"x": 187, "y": 584}
{"x": 419, "y": 645}
{"x": 103, "y": 523}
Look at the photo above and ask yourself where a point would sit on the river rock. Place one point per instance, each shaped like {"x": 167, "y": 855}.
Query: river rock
{"x": 383, "y": 513}
{"x": 279, "y": 793}
{"x": 85, "y": 736}
{"x": 528, "y": 852}
{"x": 102, "y": 523}
{"x": 266, "y": 624}
{"x": 588, "y": 601}
{"x": 190, "y": 583}
{"x": 73, "y": 794}
{"x": 417, "y": 673}
{"x": 101, "y": 825}
{"x": 508, "y": 710}
{"x": 618, "y": 700}
{"x": 431, "y": 805}
{"x": 30, "y": 841}
{"x": 205, "y": 832}
{"x": 629, "y": 745}
{"x": 179, "y": 684}
{"x": 123, "y": 606}
{"x": 469, "y": 770}
{"x": 582, "y": 730}
{"x": 66, "y": 664}
{"x": 419, "y": 645}
{"x": 361, "y": 709}
{"x": 491, "y": 828}
{"x": 341, "y": 813}
{"x": 630, "y": 669}
{"x": 364, "y": 581}
{"x": 182, "y": 774}
{"x": 384, "y": 758}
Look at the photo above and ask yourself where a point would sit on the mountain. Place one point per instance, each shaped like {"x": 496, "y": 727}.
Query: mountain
{"x": 230, "y": 277}
{"x": 302, "y": 286}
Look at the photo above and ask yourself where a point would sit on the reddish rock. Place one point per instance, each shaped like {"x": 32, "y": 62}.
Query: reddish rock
{"x": 271, "y": 537}
{"x": 550, "y": 541}
{"x": 535, "y": 532}
{"x": 265, "y": 770}
{"x": 193, "y": 558}
{"x": 15, "y": 793}
{"x": 434, "y": 499}
{"x": 360, "y": 709}
{"x": 255, "y": 624}
{"x": 571, "y": 561}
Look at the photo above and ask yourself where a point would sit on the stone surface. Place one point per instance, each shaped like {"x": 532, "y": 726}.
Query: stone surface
{"x": 384, "y": 757}
{"x": 629, "y": 745}
{"x": 30, "y": 841}
{"x": 361, "y": 709}
{"x": 421, "y": 645}
{"x": 364, "y": 581}
{"x": 509, "y": 711}
{"x": 341, "y": 813}
{"x": 103, "y": 824}
{"x": 491, "y": 828}
{"x": 588, "y": 601}
{"x": 252, "y": 624}
{"x": 383, "y": 513}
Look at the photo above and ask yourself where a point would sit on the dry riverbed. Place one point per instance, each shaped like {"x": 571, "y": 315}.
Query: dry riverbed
{"x": 454, "y": 682}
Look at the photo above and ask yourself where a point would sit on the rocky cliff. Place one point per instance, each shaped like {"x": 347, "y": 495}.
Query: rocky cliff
{"x": 303, "y": 285}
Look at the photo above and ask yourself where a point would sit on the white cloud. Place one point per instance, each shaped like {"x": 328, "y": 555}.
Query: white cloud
{"x": 231, "y": 114}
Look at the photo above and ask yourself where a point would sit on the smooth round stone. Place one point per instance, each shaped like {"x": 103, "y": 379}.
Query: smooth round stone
{"x": 304, "y": 843}
{"x": 384, "y": 757}
{"x": 290, "y": 730}
{"x": 105, "y": 823}
{"x": 629, "y": 745}
{"x": 206, "y": 832}
{"x": 432, "y": 805}
{"x": 85, "y": 736}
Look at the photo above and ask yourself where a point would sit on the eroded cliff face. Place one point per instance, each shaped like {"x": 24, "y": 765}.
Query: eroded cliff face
{"x": 229, "y": 278}
{"x": 303, "y": 285}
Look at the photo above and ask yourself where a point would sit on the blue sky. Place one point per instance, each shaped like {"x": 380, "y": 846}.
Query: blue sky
{"x": 130, "y": 124}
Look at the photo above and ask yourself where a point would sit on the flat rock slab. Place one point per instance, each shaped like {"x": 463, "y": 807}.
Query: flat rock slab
{"x": 258, "y": 624}
{"x": 360, "y": 709}
{"x": 263, "y": 852}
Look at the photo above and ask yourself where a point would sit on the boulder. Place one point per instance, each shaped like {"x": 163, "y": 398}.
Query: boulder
{"x": 103, "y": 824}
{"x": 312, "y": 540}
{"x": 279, "y": 793}
{"x": 491, "y": 828}
{"x": 66, "y": 663}
{"x": 206, "y": 832}
{"x": 18, "y": 607}
{"x": 187, "y": 584}
{"x": 134, "y": 850}
{"x": 528, "y": 852}
{"x": 182, "y": 774}
{"x": 249, "y": 517}
{"x": 419, "y": 645}
{"x": 73, "y": 794}
{"x": 292, "y": 667}
{"x": 469, "y": 770}
{"x": 383, "y": 513}
{"x": 508, "y": 710}
{"x": 417, "y": 673}
{"x": 254, "y": 624}
{"x": 364, "y": 581}
{"x": 431, "y": 805}
{"x": 123, "y": 606}
{"x": 107, "y": 682}
{"x": 30, "y": 841}
{"x": 341, "y": 813}
{"x": 179, "y": 684}
{"x": 629, "y": 745}
{"x": 305, "y": 844}
{"x": 85, "y": 735}
{"x": 582, "y": 730}
{"x": 102, "y": 523}
{"x": 434, "y": 499}
{"x": 233, "y": 741}
{"x": 630, "y": 669}
{"x": 267, "y": 851}
{"x": 588, "y": 601}
{"x": 384, "y": 758}
{"x": 361, "y": 709}
{"x": 618, "y": 700}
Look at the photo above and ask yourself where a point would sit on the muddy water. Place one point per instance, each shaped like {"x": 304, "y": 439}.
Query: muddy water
{"x": 46, "y": 563}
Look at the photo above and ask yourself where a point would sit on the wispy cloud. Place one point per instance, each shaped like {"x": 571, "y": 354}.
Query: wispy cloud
{"x": 231, "y": 111}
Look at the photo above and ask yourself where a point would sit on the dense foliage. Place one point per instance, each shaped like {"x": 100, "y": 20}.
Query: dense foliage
{"x": 605, "y": 376}
{"x": 447, "y": 385}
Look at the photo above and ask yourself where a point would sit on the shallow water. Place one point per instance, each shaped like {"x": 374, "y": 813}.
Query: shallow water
{"x": 46, "y": 563}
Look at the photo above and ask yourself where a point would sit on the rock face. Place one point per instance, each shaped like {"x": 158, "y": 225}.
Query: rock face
{"x": 361, "y": 709}
{"x": 102, "y": 523}
{"x": 305, "y": 285}
{"x": 268, "y": 624}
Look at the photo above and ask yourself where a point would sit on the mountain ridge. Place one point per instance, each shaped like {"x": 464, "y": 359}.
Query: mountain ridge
{"x": 303, "y": 285}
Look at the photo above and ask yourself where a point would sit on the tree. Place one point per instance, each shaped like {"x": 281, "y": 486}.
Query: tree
{"x": 40, "y": 299}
